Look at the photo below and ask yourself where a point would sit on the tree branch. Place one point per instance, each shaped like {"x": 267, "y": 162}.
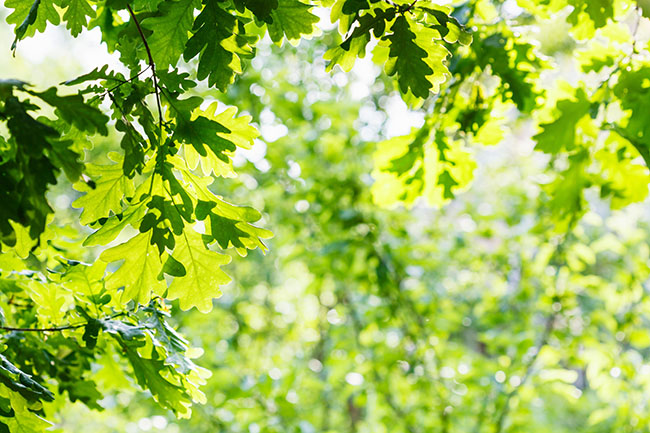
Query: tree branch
{"x": 409, "y": 7}
{"x": 152, "y": 65}
{"x": 53, "y": 329}
{"x": 550, "y": 321}
{"x": 56, "y": 328}
{"x": 121, "y": 83}
{"x": 402, "y": 8}
{"x": 358, "y": 326}
{"x": 416, "y": 318}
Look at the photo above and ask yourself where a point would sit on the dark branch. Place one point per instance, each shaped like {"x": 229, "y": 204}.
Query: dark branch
{"x": 57, "y": 328}
{"x": 409, "y": 7}
{"x": 152, "y": 65}
{"x": 121, "y": 83}
{"x": 402, "y": 8}
{"x": 53, "y": 329}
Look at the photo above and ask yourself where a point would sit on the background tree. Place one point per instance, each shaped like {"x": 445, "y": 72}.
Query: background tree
{"x": 519, "y": 304}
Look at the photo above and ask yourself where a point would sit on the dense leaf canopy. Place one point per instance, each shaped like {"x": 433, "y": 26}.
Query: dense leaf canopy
{"x": 367, "y": 215}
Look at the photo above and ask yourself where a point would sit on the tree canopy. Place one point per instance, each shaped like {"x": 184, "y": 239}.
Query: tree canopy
{"x": 233, "y": 227}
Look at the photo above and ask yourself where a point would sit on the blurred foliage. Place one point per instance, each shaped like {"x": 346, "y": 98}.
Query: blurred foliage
{"x": 484, "y": 272}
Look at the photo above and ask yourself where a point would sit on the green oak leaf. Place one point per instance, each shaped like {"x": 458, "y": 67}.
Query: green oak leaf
{"x": 74, "y": 110}
{"x": 97, "y": 74}
{"x": 139, "y": 272}
{"x": 168, "y": 338}
{"x": 148, "y": 375}
{"x": 561, "y": 132}
{"x": 29, "y": 20}
{"x": 31, "y": 16}
{"x": 64, "y": 157}
{"x": 447, "y": 182}
{"x": 354, "y": 46}
{"x": 203, "y": 274}
{"x": 24, "y": 242}
{"x": 201, "y": 132}
{"x": 633, "y": 92}
{"x": 114, "y": 225}
{"x": 134, "y": 146}
{"x": 407, "y": 60}
{"x": 91, "y": 332}
{"x": 422, "y": 164}
{"x": 239, "y": 129}
{"x": 17, "y": 380}
{"x": 449, "y": 27}
{"x": 125, "y": 331}
{"x": 567, "y": 191}
{"x": 261, "y": 8}
{"x": 291, "y": 19}
{"x": 226, "y": 131}
{"x": 230, "y": 226}
{"x": 76, "y": 14}
{"x": 23, "y": 419}
{"x": 347, "y": 58}
{"x": 25, "y": 180}
{"x": 515, "y": 67}
{"x": 85, "y": 280}
{"x": 175, "y": 81}
{"x": 84, "y": 391}
{"x": 151, "y": 373}
{"x": 170, "y": 31}
{"x": 217, "y": 43}
{"x": 104, "y": 194}
{"x": 599, "y": 11}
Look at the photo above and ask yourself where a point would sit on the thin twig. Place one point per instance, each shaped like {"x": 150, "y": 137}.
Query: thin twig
{"x": 402, "y": 8}
{"x": 129, "y": 127}
{"x": 550, "y": 321}
{"x": 415, "y": 317}
{"x": 121, "y": 83}
{"x": 548, "y": 329}
{"x": 409, "y": 7}
{"x": 625, "y": 61}
{"x": 152, "y": 65}
{"x": 481, "y": 415}
{"x": 358, "y": 326}
{"x": 56, "y": 328}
